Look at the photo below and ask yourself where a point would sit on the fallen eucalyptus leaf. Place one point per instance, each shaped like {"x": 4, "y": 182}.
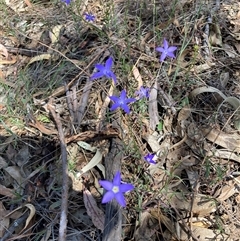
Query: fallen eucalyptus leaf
{"x": 94, "y": 161}
{"x": 93, "y": 211}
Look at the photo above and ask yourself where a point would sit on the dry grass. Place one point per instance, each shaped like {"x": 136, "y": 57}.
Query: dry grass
{"x": 192, "y": 192}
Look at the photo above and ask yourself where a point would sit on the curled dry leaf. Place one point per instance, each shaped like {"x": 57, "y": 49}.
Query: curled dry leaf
{"x": 31, "y": 214}
{"x": 96, "y": 214}
{"x": 94, "y": 161}
{"x": 233, "y": 101}
{"x": 137, "y": 76}
{"x": 39, "y": 58}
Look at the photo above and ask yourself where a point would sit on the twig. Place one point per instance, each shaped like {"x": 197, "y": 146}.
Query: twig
{"x": 104, "y": 109}
{"x": 84, "y": 100}
{"x": 206, "y": 37}
{"x": 64, "y": 204}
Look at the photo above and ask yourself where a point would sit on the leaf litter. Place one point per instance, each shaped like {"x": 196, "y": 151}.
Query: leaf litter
{"x": 192, "y": 191}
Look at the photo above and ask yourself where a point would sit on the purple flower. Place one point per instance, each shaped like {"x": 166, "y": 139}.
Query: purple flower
{"x": 115, "y": 189}
{"x": 149, "y": 158}
{"x": 89, "y": 17}
{"x": 105, "y": 71}
{"x": 143, "y": 92}
{"x": 166, "y": 51}
{"x": 122, "y": 101}
{"x": 67, "y": 1}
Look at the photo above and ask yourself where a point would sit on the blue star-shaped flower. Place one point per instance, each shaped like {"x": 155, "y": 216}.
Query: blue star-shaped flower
{"x": 115, "y": 189}
{"x": 122, "y": 101}
{"x": 105, "y": 71}
{"x": 149, "y": 158}
{"x": 67, "y": 1}
{"x": 89, "y": 17}
{"x": 143, "y": 92}
{"x": 166, "y": 51}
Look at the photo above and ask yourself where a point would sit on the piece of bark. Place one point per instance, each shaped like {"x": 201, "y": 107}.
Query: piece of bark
{"x": 113, "y": 217}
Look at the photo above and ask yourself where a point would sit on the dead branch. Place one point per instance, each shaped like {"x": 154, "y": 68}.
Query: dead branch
{"x": 64, "y": 204}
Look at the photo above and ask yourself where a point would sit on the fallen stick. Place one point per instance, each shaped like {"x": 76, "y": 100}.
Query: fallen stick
{"x": 64, "y": 203}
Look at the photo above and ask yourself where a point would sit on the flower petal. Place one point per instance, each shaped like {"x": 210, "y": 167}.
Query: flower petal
{"x": 109, "y": 63}
{"x": 126, "y": 108}
{"x": 172, "y": 49}
{"x": 114, "y": 98}
{"x": 165, "y": 44}
{"x": 171, "y": 55}
{"x": 114, "y": 107}
{"x": 113, "y": 76}
{"x": 126, "y": 187}
{"x": 123, "y": 95}
{"x": 106, "y": 184}
{"x": 160, "y": 49}
{"x": 120, "y": 198}
{"x": 117, "y": 179}
{"x": 163, "y": 56}
{"x": 97, "y": 75}
{"x": 108, "y": 196}
{"x": 100, "y": 67}
{"x": 130, "y": 100}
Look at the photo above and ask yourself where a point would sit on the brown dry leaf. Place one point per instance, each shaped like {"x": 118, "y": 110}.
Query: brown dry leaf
{"x": 7, "y": 191}
{"x": 229, "y": 50}
{"x": 202, "y": 67}
{"x": 3, "y": 51}
{"x": 215, "y": 37}
{"x": 42, "y": 128}
{"x": 224, "y": 78}
{"x": 28, "y": 3}
{"x": 137, "y": 76}
{"x": 54, "y": 35}
{"x": 96, "y": 214}
{"x": 4, "y": 221}
{"x": 152, "y": 140}
{"x": 226, "y": 191}
{"x": 15, "y": 173}
{"x": 77, "y": 184}
{"x": 40, "y": 57}
{"x": 11, "y": 60}
{"x": 3, "y": 163}
{"x": 229, "y": 141}
{"x": 31, "y": 214}
{"x": 204, "y": 234}
{"x": 224, "y": 154}
{"x": 202, "y": 205}
{"x": 146, "y": 229}
{"x": 181, "y": 58}
{"x": 170, "y": 225}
